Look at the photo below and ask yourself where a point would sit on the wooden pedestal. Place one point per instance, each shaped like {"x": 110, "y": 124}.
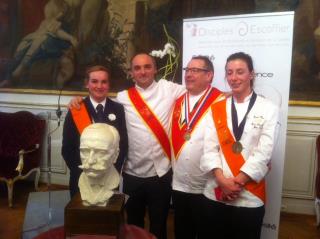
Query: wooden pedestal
{"x": 93, "y": 220}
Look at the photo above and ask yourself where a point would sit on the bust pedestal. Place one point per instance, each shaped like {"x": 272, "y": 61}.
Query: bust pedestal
{"x": 94, "y": 220}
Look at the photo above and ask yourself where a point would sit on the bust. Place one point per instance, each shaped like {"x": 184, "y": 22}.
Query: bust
{"x": 99, "y": 149}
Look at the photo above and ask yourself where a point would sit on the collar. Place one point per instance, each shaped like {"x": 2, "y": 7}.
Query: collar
{"x": 150, "y": 87}
{"x": 198, "y": 95}
{"x": 246, "y": 99}
{"x": 95, "y": 103}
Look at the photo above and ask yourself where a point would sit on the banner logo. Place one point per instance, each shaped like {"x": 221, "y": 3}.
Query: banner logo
{"x": 192, "y": 28}
{"x": 244, "y": 28}
{"x": 264, "y": 75}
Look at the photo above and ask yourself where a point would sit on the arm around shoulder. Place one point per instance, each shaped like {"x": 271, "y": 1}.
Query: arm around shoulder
{"x": 174, "y": 88}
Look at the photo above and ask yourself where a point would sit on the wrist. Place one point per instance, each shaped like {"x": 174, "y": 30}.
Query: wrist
{"x": 242, "y": 179}
{"x": 220, "y": 178}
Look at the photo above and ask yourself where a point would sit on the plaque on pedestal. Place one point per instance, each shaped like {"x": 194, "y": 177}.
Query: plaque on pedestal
{"x": 94, "y": 220}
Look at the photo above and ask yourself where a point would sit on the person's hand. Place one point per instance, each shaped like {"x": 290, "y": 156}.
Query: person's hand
{"x": 227, "y": 198}
{"x": 221, "y": 196}
{"x": 242, "y": 179}
{"x": 230, "y": 189}
{"x": 75, "y": 103}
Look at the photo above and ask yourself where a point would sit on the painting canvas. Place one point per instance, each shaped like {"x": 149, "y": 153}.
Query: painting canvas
{"x": 306, "y": 52}
{"x": 47, "y": 44}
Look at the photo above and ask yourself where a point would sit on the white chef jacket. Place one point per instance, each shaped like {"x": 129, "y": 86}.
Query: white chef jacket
{"x": 258, "y": 139}
{"x": 146, "y": 157}
{"x": 187, "y": 175}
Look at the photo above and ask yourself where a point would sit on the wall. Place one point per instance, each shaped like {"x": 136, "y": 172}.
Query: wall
{"x": 45, "y": 106}
{"x": 300, "y": 164}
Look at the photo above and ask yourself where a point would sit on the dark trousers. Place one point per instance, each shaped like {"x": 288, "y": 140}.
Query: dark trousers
{"x": 225, "y": 221}
{"x": 188, "y": 215}
{"x": 73, "y": 181}
{"x": 154, "y": 194}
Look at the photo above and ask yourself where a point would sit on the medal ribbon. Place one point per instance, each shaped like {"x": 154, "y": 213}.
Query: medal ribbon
{"x": 178, "y": 129}
{"x": 190, "y": 117}
{"x": 238, "y": 130}
{"x": 226, "y": 140}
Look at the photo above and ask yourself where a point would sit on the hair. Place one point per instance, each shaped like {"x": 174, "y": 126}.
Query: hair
{"x": 143, "y": 53}
{"x": 96, "y": 68}
{"x": 244, "y": 57}
{"x": 207, "y": 63}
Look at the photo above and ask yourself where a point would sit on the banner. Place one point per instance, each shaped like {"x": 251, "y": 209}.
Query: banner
{"x": 267, "y": 38}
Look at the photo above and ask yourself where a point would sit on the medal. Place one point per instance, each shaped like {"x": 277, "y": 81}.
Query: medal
{"x": 191, "y": 116}
{"x": 187, "y": 136}
{"x": 237, "y": 147}
{"x": 238, "y": 129}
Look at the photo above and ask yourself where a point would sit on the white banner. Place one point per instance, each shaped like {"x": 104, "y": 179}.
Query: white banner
{"x": 268, "y": 39}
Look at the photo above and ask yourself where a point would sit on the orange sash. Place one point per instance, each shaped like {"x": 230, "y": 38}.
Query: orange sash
{"x": 178, "y": 130}
{"x": 81, "y": 117}
{"x": 226, "y": 140}
{"x": 151, "y": 120}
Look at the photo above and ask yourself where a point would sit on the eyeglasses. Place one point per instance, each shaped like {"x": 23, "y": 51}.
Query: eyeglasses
{"x": 194, "y": 70}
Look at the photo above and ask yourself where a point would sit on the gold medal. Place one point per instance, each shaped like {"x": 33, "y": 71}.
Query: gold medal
{"x": 237, "y": 147}
{"x": 187, "y": 136}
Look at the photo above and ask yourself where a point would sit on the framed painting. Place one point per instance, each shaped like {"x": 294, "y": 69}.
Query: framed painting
{"x": 305, "y": 77}
{"x": 47, "y": 44}
{"x": 305, "y": 73}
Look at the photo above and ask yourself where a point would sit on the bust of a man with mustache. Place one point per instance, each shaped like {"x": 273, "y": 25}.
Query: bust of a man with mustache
{"x": 99, "y": 149}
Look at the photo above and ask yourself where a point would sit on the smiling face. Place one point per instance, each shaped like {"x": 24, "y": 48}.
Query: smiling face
{"x": 239, "y": 78}
{"x": 143, "y": 70}
{"x": 98, "y": 85}
{"x": 197, "y": 76}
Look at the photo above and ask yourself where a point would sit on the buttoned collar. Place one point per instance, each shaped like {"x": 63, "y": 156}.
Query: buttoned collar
{"x": 95, "y": 103}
